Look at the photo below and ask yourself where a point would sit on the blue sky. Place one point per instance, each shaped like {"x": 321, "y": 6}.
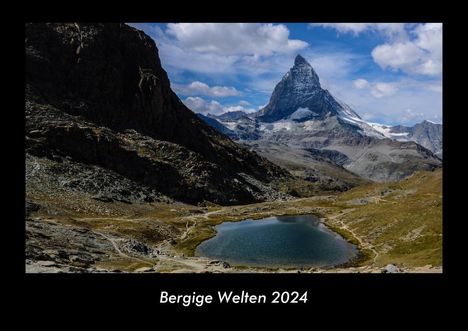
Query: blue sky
{"x": 389, "y": 73}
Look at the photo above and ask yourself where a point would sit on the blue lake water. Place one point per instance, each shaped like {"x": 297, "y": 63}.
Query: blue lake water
{"x": 283, "y": 241}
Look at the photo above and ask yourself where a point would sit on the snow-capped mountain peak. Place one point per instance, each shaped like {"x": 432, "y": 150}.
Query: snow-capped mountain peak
{"x": 299, "y": 60}
{"x": 301, "y": 113}
{"x": 303, "y": 76}
{"x": 299, "y": 88}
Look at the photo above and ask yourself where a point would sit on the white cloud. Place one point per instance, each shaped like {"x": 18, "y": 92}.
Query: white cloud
{"x": 377, "y": 89}
{"x": 398, "y": 56}
{"x": 200, "y": 88}
{"x": 391, "y": 30}
{"x": 239, "y": 108}
{"x": 244, "y": 103}
{"x": 354, "y": 28}
{"x": 422, "y": 55}
{"x": 423, "y": 102}
{"x": 334, "y": 65}
{"x": 224, "y": 49}
{"x": 361, "y": 83}
{"x": 200, "y": 105}
{"x": 234, "y": 38}
{"x": 429, "y": 37}
{"x": 179, "y": 59}
{"x": 418, "y": 51}
{"x": 380, "y": 90}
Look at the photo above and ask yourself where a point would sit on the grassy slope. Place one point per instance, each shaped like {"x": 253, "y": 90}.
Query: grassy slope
{"x": 403, "y": 221}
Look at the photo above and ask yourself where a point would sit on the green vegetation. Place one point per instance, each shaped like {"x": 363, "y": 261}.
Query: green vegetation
{"x": 402, "y": 220}
{"x": 364, "y": 254}
{"x": 187, "y": 246}
{"x": 303, "y": 189}
{"x": 398, "y": 223}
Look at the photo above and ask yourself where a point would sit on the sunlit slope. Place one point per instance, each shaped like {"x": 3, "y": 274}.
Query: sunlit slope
{"x": 401, "y": 220}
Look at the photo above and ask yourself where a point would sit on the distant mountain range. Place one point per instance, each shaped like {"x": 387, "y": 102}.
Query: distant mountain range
{"x": 426, "y": 133}
{"x": 301, "y": 116}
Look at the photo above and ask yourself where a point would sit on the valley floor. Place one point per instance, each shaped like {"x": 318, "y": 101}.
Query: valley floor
{"x": 394, "y": 223}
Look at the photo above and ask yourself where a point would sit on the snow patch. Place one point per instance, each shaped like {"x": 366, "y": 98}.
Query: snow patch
{"x": 301, "y": 113}
{"x": 385, "y": 130}
{"x": 230, "y": 125}
{"x": 286, "y": 125}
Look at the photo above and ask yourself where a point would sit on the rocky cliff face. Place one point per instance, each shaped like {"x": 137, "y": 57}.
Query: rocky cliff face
{"x": 426, "y": 134}
{"x": 96, "y": 94}
{"x": 299, "y": 91}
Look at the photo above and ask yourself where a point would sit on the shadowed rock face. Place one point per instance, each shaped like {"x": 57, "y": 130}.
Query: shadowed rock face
{"x": 98, "y": 94}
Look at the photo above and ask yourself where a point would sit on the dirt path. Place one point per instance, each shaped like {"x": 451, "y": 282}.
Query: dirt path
{"x": 191, "y": 264}
{"x": 363, "y": 244}
{"x": 188, "y": 228}
{"x": 120, "y": 252}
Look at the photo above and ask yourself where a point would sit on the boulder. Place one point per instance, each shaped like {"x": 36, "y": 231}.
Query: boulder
{"x": 390, "y": 269}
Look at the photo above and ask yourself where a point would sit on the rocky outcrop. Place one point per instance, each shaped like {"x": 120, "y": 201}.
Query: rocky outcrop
{"x": 240, "y": 125}
{"x": 328, "y": 155}
{"x": 299, "y": 89}
{"x": 97, "y": 94}
{"x": 218, "y": 126}
{"x": 426, "y": 133}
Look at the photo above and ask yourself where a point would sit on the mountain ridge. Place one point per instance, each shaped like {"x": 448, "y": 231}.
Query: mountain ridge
{"x": 96, "y": 94}
{"x": 426, "y": 133}
{"x": 303, "y": 115}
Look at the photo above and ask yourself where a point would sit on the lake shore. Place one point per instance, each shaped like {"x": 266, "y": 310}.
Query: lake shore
{"x": 400, "y": 223}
